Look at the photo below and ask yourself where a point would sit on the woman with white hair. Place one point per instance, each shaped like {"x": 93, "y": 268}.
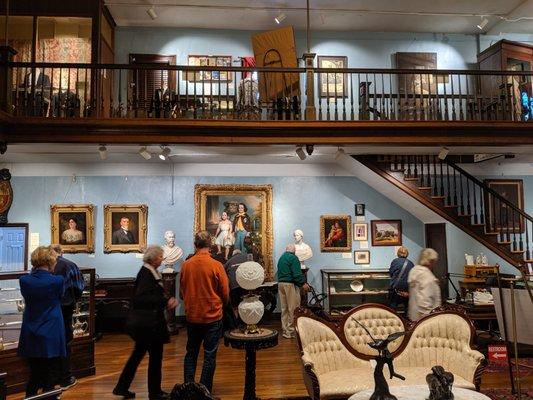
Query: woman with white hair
{"x": 147, "y": 326}
{"x": 424, "y": 289}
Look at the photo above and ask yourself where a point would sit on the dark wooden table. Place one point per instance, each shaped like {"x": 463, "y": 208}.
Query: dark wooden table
{"x": 265, "y": 339}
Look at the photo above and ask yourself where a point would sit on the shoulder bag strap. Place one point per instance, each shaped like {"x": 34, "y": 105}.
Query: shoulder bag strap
{"x": 397, "y": 280}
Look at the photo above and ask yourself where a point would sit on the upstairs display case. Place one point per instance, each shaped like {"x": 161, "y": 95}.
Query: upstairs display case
{"x": 11, "y": 311}
{"x": 349, "y": 288}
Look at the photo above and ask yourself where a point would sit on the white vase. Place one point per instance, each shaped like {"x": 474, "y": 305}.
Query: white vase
{"x": 251, "y": 310}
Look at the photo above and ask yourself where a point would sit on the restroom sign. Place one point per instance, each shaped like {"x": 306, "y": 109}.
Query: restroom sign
{"x": 497, "y": 354}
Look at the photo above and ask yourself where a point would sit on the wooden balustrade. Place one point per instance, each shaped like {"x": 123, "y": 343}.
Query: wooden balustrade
{"x": 235, "y": 93}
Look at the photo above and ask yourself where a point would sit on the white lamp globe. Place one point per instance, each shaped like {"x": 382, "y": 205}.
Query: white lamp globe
{"x": 250, "y": 275}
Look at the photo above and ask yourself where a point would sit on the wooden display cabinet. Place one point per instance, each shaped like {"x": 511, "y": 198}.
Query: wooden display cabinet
{"x": 11, "y": 310}
{"x": 349, "y": 288}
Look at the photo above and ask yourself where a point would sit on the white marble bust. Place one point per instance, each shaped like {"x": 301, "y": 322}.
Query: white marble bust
{"x": 303, "y": 250}
{"x": 171, "y": 252}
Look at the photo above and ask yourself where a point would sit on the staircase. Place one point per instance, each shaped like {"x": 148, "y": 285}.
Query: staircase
{"x": 463, "y": 200}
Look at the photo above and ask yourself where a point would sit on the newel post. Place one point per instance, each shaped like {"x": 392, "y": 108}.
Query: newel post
{"x": 310, "y": 109}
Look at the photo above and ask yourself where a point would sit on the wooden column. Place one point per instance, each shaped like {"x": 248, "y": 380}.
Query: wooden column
{"x": 6, "y": 77}
{"x": 310, "y": 109}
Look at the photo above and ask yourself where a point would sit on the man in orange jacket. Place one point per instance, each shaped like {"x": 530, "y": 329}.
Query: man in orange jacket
{"x": 204, "y": 288}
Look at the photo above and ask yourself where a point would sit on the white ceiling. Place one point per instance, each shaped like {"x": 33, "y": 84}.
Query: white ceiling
{"x": 279, "y": 154}
{"x": 441, "y": 16}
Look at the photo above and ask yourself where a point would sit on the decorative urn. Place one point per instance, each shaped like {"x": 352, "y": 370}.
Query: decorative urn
{"x": 250, "y": 275}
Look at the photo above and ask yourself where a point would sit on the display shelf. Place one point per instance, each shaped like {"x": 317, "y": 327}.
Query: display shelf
{"x": 11, "y": 311}
{"x": 349, "y": 288}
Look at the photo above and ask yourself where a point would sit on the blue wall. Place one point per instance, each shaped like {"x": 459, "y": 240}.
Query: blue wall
{"x": 298, "y": 203}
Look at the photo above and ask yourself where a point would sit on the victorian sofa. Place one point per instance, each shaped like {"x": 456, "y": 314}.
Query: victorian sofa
{"x": 336, "y": 357}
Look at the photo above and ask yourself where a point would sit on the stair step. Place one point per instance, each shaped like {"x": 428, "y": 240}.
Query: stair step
{"x": 528, "y": 261}
{"x": 424, "y": 188}
{"x": 518, "y": 251}
{"x": 492, "y": 233}
{"x": 478, "y": 224}
{"x": 411, "y": 179}
{"x": 438, "y": 197}
{"x": 451, "y": 206}
{"x": 465, "y": 215}
{"x": 505, "y": 243}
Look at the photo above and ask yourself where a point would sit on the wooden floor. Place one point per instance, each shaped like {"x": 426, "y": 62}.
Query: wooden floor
{"x": 278, "y": 371}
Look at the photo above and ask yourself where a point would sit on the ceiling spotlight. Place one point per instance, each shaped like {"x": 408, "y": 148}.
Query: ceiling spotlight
{"x": 145, "y": 153}
{"x": 151, "y": 12}
{"x": 300, "y": 153}
{"x": 443, "y": 153}
{"x": 164, "y": 153}
{"x": 103, "y": 152}
{"x": 483, "y": 24}
{"x": 309, "y": 148}
{"x": 280, "y": 18}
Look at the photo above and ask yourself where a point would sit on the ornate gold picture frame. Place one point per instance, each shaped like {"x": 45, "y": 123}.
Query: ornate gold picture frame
{"x": 72, "y": 227}
{"x": 125, "y": 228}
{"x": 253, "y": 234}
{"x": 335, "y": 233}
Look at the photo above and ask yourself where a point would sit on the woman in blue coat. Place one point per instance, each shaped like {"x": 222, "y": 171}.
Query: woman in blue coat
{"x": 42, "y": 335}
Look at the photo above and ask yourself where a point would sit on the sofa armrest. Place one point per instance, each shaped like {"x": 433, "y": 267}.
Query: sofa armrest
{"x": 310, "y": 377}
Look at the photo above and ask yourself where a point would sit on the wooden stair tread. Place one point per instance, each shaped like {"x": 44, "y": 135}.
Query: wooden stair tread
{"x": 450, "y": 206}
{"x": 424, "y": 188}
{"x": 505, "y": 242}
{"x": 528, "y": 261}
{"x": 492, "y": 233}
{"x": 465, "y": 215}
{"x": 479, "y": 224}
{"x": 518, "y": 251}
{"x": 438, "y": 197}
{"x": 411, "y": 179}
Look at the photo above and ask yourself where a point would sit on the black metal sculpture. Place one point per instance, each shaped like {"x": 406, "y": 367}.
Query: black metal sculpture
{"x": 440, "y": 384}
{"x": 190, "y": 391}
{"x": 381, "y": 387}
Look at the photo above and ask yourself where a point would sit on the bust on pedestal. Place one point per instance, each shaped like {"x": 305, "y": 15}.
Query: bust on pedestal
{"x": 171, "y": 252}
{"x": 303, "y": 250}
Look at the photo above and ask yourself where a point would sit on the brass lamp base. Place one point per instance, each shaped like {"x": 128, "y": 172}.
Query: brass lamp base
{"x": 251, "y": 329}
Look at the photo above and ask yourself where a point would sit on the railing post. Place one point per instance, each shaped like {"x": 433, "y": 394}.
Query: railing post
{"x": 310, "y": 109}
{"x": 6, "y": 78}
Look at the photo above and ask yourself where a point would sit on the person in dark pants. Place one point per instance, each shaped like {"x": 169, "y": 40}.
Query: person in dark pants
{"x": 398, "y": 271}
{"x": 74, "y": 285}
{"x": 42, "y": 335}
{"x": 147, "y": 326}
{"x": 204, "y": 289}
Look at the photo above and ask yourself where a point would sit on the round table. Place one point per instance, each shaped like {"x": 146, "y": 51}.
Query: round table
{"x": 421, "y": 392}
{"x": 265, "y": 339}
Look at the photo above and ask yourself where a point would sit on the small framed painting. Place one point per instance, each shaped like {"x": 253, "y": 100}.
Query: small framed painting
{"x": 360, "y": 232}
{"x": 72, "y": 227}
{"x": 359, "y": 210}
{"x": 335, "y": 233}
{"x": 361, "y": 257}
{"x": 333, "y": 84}
{"x": 125, "y": 228}
{"x": 386, "y": 232}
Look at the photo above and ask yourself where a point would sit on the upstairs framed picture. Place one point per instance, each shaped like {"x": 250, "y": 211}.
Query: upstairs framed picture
{"x": 386, "y": 232}
{"x": 334, "y": 84}
{"x": 209, "y": 61}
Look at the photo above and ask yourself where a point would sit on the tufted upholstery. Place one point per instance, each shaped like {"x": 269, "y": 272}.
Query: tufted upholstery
{"x": 442, "y": 340}
{"x": 332, "y": 370}
{"x": 380, "y": 322}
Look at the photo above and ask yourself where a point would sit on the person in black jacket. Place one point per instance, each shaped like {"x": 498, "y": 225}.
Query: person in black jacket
{"x": 147, "y": 326}
{"x": 74, "y": 286}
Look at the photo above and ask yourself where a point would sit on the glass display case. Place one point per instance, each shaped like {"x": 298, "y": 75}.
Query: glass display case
{"x": 11, "y": 311}
{"x": 349, "y": 288}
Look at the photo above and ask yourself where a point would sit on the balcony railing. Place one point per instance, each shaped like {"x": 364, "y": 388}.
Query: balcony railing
{"x": 55, "y": 90}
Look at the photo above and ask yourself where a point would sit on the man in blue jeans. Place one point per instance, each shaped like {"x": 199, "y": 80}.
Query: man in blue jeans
{"x": 204, "y": 288}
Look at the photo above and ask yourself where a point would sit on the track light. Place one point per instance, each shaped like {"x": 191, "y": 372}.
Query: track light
{"x": 443, "y": 153}
{"x": 103, "y": 152}
{"x": 483, "y": 24}
{"x": 309, "y": 148}
{"x": 280, "y": 18}
{"x": 300, "y": 153}
{"x": 164, "y": 153}
{"x": 151, "y": 12}
{"x": 145, "y": 153}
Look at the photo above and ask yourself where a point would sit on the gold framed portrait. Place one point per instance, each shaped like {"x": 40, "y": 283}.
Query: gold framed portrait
{"x": 335, "y": 233}
{"x": 125, "y": 228}
{"x": 72, "y": 226}
{"x": 238, "y": 217}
